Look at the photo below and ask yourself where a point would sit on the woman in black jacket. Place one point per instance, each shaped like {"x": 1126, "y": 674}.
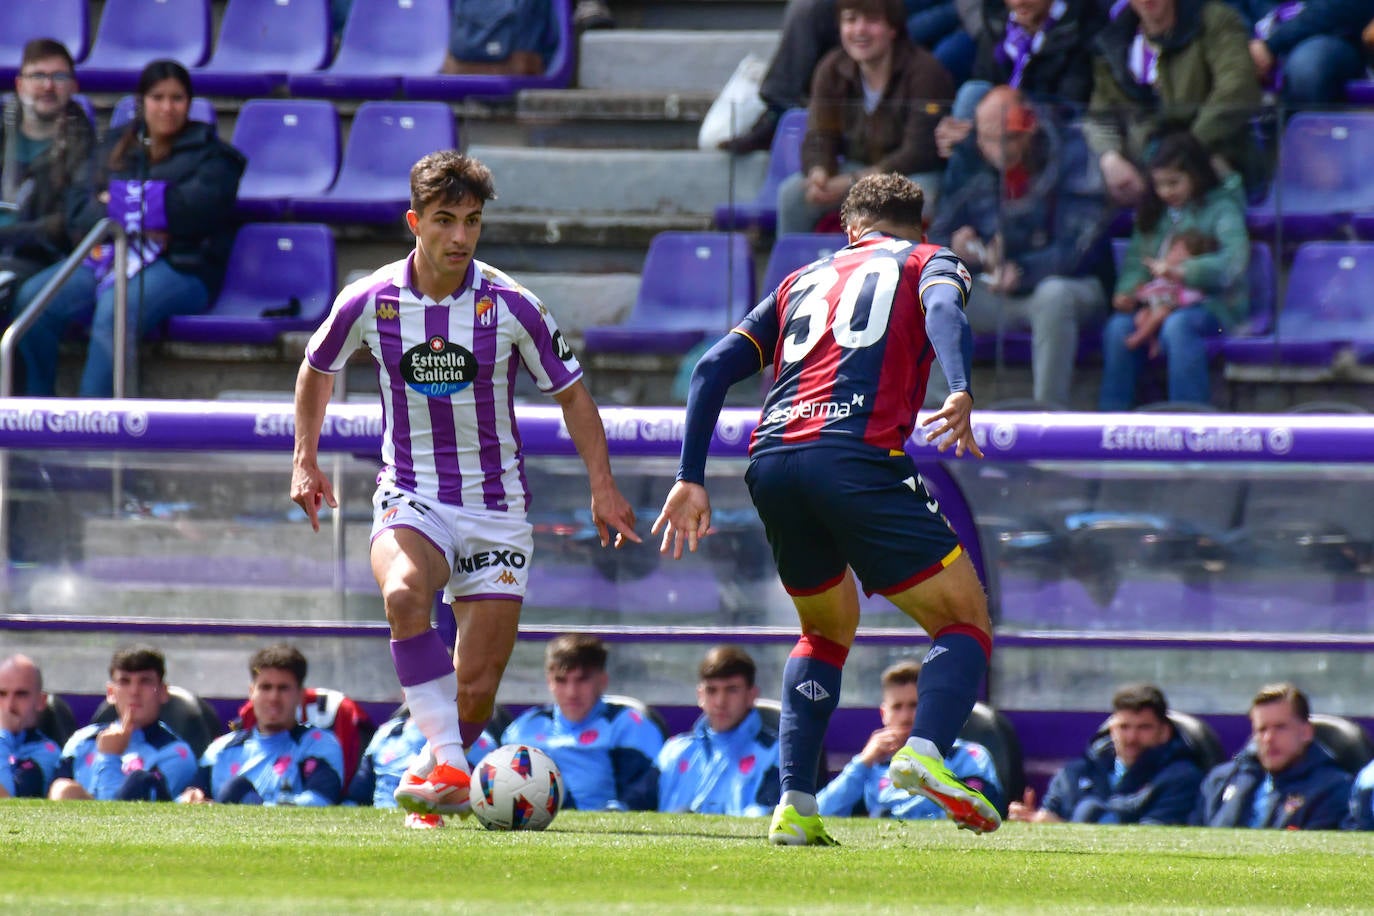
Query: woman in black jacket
{"x": 172, "y": 184}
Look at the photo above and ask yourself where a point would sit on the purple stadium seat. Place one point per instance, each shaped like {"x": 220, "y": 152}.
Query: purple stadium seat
{"x": 1360, "y": 93}
{"x": 202, "y": 109}
{"x": 374, "y": 179}
{"x": 797, "y": 249}
{"x": 133, "y": 33}
{"x": 694, "y": 285}
{"x": 23, "y": 20}
{"x": 381, "y": 39}
{"x": 261, "y": 41}
{"x": 1326, "y": 309}
{"x": 280, "y": 278}
{"x": 784, "y": 159}
{"x": 292, "y": 147}
{"x": 1323, "y": 176}
{"x": 558, "y": 75}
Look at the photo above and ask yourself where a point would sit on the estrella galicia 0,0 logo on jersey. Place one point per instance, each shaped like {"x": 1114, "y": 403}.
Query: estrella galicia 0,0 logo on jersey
{"x": 438, "y": 368}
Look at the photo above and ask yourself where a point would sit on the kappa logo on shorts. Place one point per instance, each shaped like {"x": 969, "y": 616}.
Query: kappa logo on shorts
{"x": 506, "y": 578}
{"x": 813, "y": 691}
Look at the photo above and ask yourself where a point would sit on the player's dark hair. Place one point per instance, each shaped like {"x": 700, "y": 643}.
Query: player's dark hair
{"x": 884, "y": 198}
{"x": 1284, "y": 693}
{"x": 899, "y": 674}
{"x": 894, "y": 11}
{"x": 281, "y": 657}
{"x": 132, "y": 659}
{"x": 1140, "y": 697}
{"x": 37, "y": 49}
{"x": 574, "y": 652}
{"x": 447, "y": 176}
{"x": 1185, "y": 153}
{"x": 725, "y": 662}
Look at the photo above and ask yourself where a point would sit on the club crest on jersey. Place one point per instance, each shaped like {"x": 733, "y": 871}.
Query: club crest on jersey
{"x": 484, "y": 308}
{"x": 386, "y": 308}
{"x": 438, "y": 368}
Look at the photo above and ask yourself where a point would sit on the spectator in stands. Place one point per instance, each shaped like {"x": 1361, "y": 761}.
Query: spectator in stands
{"x": 172, "y": 183}
{"x": 810, "y": 30}
{"x": 1184, "y": 194}
{"x": 1283, "y": 778}
{"x": 136, "y": 757}
{"x": 863, "y": 785}
{"x": 728, "y": 762}
{"x": 874, "y": 102}
{"x": 515, "y": 37}
{"x": 605, "y": 748}
{"x": 28, "y": 758}
{"x": 1141, "y": 772}
{"x": 278, "y": 761}
{"x": 1361, "y": 816}
{"x": 1170, "y": 65}
{"x": 46, "y": 140}
{"x": 1030, "y": 221}
{"x": 1307, "y": 51}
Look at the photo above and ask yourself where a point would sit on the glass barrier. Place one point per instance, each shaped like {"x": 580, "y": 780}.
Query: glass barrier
{"x": 1210, "y": 553}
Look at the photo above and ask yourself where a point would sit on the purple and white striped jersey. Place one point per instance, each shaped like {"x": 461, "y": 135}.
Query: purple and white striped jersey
{"x": 447, "y": 374}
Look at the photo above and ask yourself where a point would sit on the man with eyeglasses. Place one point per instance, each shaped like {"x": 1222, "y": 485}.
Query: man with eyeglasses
{"x": 45, "y": 137}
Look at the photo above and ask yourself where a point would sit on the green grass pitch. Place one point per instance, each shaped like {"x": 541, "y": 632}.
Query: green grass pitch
{"x": 151, "y": 859}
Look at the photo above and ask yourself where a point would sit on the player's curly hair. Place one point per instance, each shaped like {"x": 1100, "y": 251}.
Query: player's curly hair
{"x": 448, "y": 176}
{"x": 283, "y": 658}
{"x": 884, "y": 198}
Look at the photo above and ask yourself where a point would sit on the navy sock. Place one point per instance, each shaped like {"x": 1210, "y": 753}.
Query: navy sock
{"x": 948, "y": 687}
{"x": 810, "y": 693}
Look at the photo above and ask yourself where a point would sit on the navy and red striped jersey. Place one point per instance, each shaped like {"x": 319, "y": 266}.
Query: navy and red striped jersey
{"x": 847, "y": 338}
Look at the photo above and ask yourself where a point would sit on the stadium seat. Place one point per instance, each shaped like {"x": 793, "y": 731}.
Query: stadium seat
{"x": 557, "y": 75}
{"x": 784, "y": 160}
{"x": 1200, "y": 738}
{"x": 133, "y": 33}
{"x": 1345, "y": 738}
{"x": 1326, "y": 309}
{"x": 1323, "y": 178}
{"x": 191, "y": 717}
{"x": 280, "y": 278}
{"x": 381, "y": 39}
{"x": 995, "y": 732}
{"x": 202, "y": 109}
{"x": 797, "y": 249}
{"x": 20, "y": 22}
{"x": 693, "y": 285}
{"x": 1360, "y": 93}
{"x": 261, "y": 41}
{"x": 644, "y": 709}
{"x": 292, "y": 147}
{"x": 374, "y": 179}
{"x": 331, "y": 710}
{"x": 56, "y": 720}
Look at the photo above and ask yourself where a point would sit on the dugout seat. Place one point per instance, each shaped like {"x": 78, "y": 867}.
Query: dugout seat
{"x": 797, "y": 249}
{"x": 557, "y": 75}
{"x": 330, "y": 710}
{"x": 202, "y": 109}
{"x": 1345, "y": 738}
{"x": 280, "y": 278}
{"x": 1199, "y": 737}
{"x": 56, "y": 720}
{"x": 261, "y": 41}
{"x": 694, "y": 285}
{"x": 21, "y": 22}
{"x": 639, "y": 706}
{"x": 994, "y": 731}
{"x": 293, "y": 149}
{"x": 1323, "y": 177}
{"x": 134, "y": 33}
{"x": 192, "y": 718}
{"x": 784, "y": 160}
{"x": 381, "y": 39}
{"x": 385, "y": 140}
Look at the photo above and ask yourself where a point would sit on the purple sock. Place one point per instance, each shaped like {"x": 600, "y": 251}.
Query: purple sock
{"x": 420, "y": 658}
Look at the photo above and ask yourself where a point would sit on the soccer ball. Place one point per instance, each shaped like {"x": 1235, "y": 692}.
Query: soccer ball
{"x": 516, "y": 787}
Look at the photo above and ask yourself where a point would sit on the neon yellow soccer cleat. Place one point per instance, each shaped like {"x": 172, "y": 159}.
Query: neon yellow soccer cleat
{"x": 791, "y": 829}
{"x": 928, "y": 776}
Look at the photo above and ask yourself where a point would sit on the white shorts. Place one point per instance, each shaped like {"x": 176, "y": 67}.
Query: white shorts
{"x": 488, "y": 553}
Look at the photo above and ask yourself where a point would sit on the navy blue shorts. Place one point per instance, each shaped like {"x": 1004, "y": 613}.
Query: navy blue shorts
{"x": 825, "y": 508}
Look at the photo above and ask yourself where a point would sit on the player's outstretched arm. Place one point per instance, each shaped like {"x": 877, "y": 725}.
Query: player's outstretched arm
{"x": 955, "y": 427}
{"x": 610, "y": 509}
{"x": 310, "y": 488}
{"x": 685, "y": 519}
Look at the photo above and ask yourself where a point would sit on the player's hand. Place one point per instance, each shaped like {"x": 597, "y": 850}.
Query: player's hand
{"x": 685, "y": 519}
{"x": 1023, "y": 810}
{"x": 881, "y": 745}
{"x": 956, "y": 425}
{"x": 115, "y": 739}
{"x": 310, "y": 489}
{"x": 193, "y": 796}
{"x": 610, "y": 509}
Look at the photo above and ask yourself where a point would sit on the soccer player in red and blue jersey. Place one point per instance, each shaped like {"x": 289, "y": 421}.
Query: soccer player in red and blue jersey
{"x": 851, "y": 339}
{"x": 448, "y": 334}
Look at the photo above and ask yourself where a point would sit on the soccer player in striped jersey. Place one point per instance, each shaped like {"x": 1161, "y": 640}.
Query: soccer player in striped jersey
{"x": 448, "y": 334}
{"x": 851, "y": 339}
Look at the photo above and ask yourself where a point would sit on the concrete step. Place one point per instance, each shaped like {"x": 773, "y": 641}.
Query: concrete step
{"x": 580, "y": 301}
{"x": 678, "y": 60}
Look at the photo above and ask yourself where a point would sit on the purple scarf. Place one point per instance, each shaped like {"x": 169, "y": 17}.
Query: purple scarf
{"x": 1021, "y": 44}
